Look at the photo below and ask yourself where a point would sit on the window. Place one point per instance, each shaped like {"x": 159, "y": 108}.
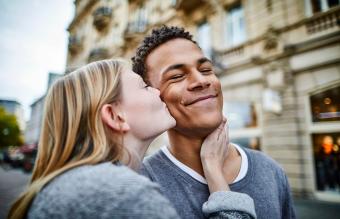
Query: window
{"x": 243, "y": 124}
{"x": 139, "y": 21}
{"x": 325, "y": 106}
{"x": 142, "y": 19}
{"x": 173, "y": 3}
{"x": 235, "y": 27}
{"x": 240, "y": 114}
{"x": 326, "y": 148}
{"x": 315, "y": 6}
{"x": 324, "y": 129}
{"x": 204, "y": 38}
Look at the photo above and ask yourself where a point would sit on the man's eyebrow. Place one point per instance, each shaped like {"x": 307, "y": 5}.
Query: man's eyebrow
{"x": 203, "y": 60}
{"x": 172, "y": 67}
{"x": 179, "y": 66}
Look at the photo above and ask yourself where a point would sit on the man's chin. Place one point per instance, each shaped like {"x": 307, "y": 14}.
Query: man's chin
{"x": 211, "y": 121}
{"x": 198, "y": 130}
{"x": 210, "y": 126}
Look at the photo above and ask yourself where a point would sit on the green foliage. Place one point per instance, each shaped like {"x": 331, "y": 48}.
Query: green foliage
{"x": 9, "y": 130}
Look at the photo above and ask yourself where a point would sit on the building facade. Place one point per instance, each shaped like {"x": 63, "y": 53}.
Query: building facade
{"x": 278, "y": 62}
{"x": 32, "y": 133}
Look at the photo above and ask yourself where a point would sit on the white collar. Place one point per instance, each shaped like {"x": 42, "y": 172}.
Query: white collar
{"x": 182, "y": 166}
{"x": 244, "y": 164}
{"x": 197, "y": 176}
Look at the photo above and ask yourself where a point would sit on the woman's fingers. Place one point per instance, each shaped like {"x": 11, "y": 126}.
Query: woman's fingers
{"x": 215, "y": 145}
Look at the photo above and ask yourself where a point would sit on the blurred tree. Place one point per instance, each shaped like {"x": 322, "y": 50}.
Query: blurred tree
{"x": 9, "y": 129}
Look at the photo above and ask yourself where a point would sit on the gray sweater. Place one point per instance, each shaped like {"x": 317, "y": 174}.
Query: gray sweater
{"x": 265, "y": 182}
{"x": 110, "y": 191}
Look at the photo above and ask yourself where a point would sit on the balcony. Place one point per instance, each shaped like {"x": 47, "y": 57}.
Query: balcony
{"x": 138, "y": 2}
{"x": 75, "y": 44}
{"x": 98, "y": 54}
{"x": 222, "y": 59}
{"x": 189, "y": 5}
{"x": 323, "y": 21}
{"x": 102, "y": 17}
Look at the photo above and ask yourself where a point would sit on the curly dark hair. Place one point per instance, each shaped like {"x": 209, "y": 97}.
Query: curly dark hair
{"x": 157, "y": 37}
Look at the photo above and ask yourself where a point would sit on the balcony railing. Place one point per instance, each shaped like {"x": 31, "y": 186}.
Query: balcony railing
{"x": 75, "y": 44}
{"x": 98, "y": 54}
{"x": 136, "y": 1}
{"x": 189, "y": 5}
{"x": 323, "y": 21}
{"x": 221, "y": 59}
{"x": 102, "y": 17}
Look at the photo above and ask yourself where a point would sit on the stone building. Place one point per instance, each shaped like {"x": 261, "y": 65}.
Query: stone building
{"x": 278, "y": 62}
{"x": 32, "y": 133}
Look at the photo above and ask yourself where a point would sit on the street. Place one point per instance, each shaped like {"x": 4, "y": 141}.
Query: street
{"x": 13, "y": 181}
{"x": 313, "y": 209}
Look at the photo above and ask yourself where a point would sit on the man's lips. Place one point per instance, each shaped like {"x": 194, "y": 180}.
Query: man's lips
{"x": 200, "y": 99}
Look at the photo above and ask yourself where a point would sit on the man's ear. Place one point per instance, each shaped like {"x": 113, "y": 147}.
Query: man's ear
{"x": 113, "y": 117}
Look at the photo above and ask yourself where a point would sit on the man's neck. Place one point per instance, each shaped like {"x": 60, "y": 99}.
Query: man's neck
{"x": 186, "y": 149}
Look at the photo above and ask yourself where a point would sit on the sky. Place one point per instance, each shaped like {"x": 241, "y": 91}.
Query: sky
{"x": 33, "y": 42}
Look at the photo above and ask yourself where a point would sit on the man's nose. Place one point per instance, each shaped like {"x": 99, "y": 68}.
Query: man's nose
{"x": 198, "y": 81}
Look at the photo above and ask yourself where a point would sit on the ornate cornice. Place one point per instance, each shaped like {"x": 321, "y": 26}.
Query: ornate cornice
{"x": 81, "y": 14}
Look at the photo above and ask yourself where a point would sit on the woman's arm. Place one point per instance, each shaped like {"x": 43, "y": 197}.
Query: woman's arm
{"x": 222, "y": 202}
{"x": 214, "y": 151}
{"x": 228, "y": 204}
{"x": 148, "y": 202}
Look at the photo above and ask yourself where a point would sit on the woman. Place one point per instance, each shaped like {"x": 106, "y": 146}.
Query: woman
{"x": 97, "y": 121}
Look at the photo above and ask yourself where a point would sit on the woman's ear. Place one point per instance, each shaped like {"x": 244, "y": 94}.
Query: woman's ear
{"x": 113, "y": 117}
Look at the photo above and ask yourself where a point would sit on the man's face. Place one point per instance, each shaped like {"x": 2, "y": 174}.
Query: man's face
{"x": 188, "y": 86}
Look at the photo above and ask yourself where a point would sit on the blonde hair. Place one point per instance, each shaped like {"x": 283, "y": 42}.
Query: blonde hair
{"x": 73, "y": 133}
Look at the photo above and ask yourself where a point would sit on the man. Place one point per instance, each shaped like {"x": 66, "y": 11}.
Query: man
{"x": 172, "y": 62}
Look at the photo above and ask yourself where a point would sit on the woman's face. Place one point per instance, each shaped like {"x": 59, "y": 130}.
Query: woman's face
{"x": 144, "y": 111}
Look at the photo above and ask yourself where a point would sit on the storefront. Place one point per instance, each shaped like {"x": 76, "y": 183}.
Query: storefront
{"x": 325, "y": 140}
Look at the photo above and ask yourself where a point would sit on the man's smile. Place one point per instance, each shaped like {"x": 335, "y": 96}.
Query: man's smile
{"x": 199, "y": 99}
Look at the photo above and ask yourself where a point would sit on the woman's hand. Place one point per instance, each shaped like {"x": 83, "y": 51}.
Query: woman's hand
{"x": 214, "y": 151}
